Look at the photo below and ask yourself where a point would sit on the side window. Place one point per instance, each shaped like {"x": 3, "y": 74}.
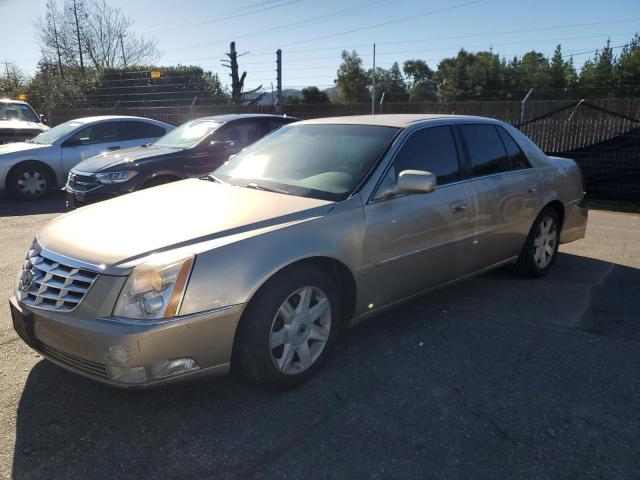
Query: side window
{"x": 517, "y": 158}
{"x": 243, "y": 132}
{"x": 486, "y": 151}
{"x": 100, "y": 133}
{"x": 131, "y": 130}
{"x": 431, "y": 149}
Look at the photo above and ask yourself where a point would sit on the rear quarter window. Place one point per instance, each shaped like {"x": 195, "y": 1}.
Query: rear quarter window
{"x": 517, "y": 158}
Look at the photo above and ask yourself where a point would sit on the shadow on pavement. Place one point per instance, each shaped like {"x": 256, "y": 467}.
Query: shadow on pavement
{"x": 54, "y": 203}
{"x": 496, "y": 377}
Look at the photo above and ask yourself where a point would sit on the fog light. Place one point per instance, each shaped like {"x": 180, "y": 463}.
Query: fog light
{"x": 127, "y": 374}
{"x": 155, "y": 371}
{"x": 172, "y": 367}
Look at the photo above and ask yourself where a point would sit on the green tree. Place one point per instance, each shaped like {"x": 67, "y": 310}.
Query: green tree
{"x": 352, "y": 81}
{"x": 422, "y": 87}
{"x": 314, "y": 95}
{"x": 13, "y": 81}
{"x": 452, "y": 77}
{"x": 390, "y": 83}
{"x": 562, "y": 76}
{"x": 597, "y": 75}
{"x": 487, "y": 77}
{"x": 627, "y": 69}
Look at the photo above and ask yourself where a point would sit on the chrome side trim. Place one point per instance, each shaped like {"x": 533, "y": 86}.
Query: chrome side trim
{"x": 162, "y": 321}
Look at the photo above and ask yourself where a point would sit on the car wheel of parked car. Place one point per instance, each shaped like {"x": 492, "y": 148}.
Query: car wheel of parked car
{"x": 30, "y": 182}
{"x": 541, "y": 248}
{"x": 288, "y": 328}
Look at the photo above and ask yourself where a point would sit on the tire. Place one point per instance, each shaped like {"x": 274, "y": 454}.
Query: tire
{"x": 541, "y": 248}
{"x": 30, "y": 181}
{"x": 270, "y": 344}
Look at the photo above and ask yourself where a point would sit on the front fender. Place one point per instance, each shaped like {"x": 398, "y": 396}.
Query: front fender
{"x": 232, "y": 273}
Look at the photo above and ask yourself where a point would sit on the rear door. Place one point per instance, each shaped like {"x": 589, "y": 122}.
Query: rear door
{"x": 503, "y": 192}
{"x": 135, "y": 133}
{"x": 415, "y": 242}
{"x": 88, "y": 142}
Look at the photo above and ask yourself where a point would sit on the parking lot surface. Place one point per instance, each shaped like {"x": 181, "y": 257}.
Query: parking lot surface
{"x": 495, "y": 377}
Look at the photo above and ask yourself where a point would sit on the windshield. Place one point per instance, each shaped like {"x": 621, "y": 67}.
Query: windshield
{"x": 319, "y": 161}
{"x": 17, "y": 111}
{"x": 187, "y": 135}
{"x": 57, "y": 132}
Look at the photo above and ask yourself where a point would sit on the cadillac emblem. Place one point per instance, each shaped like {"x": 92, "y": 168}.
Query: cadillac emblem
{"x": 27, "y": 279}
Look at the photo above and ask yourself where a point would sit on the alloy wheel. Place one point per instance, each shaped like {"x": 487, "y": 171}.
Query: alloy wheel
{"x": 31, "y": 184}
{"x": 300, "y": 330}
{"x": 544, "y": 243}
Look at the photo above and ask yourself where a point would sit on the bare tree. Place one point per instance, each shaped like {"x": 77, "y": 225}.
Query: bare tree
{"x": 237, "y": 81}
{"x": 90, "y": 31}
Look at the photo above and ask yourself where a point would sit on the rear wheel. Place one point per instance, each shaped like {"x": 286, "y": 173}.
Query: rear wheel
{"x": 540, "y": 250}
{"x": 30, "y": 181}
{"x": 288, "y": 328}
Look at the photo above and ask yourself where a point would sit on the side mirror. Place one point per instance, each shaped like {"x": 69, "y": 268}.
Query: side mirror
{"x": 415, "y": 181}
{"x": 43, "y": 119}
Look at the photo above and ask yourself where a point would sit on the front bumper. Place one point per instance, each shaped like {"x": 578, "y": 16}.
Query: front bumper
{"x": 90, "y": 346}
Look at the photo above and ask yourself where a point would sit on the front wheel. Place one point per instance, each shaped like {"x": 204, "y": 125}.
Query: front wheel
{"x": 541, "y": 248}
{"x": 288, "y": 328}
{"x": 30, "y": 182}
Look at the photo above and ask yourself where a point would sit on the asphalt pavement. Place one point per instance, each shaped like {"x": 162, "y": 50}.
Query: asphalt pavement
{"x": 495, "y": 377}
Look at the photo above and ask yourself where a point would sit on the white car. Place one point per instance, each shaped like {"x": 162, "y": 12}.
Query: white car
{"x": 30, "y": 169}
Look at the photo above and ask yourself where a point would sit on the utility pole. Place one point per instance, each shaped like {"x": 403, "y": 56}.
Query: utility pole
{"x": 373, "y": 90}
{"x": 279, "y": 81}
{"x": 47, "y": 89}
{"x": 124, "y": 59}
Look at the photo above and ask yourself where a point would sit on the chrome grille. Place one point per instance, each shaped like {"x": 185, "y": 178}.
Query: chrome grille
{"x": 81, "y": 183}
{"x": 51, "y": 285}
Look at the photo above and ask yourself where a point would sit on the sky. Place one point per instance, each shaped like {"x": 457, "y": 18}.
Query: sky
{"x": 312, "y": 33}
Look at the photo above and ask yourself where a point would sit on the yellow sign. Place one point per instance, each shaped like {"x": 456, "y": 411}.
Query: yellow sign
{"x": 22, "y": 98}
{"x": 155, "y": 74}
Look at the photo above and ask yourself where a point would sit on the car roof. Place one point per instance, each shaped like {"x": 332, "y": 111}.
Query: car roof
{"x": 13, "y": 102}
{"x": 113, "y": 117}
{"x": 391, "y": 120}
{"x": 241, "y": 116}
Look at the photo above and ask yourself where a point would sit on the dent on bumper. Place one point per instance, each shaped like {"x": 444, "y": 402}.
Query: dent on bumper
{"x": 89, "y": 346}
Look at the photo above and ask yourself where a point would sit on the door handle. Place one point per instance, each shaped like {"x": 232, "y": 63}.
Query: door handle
{"x": 114, "y": 147}
{"x": 459, "y": 207}
{"x": 532, "y": 190}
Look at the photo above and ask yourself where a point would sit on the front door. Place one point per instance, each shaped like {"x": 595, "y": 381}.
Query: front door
{"x": 89, "y": 142}
{"x": 416, "y": 242}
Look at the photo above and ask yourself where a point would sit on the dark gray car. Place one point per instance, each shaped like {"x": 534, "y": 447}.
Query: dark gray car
{"x": 194, "y": 149}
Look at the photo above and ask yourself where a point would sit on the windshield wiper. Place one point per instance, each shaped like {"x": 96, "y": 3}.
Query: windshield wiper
{"x": 255, "y": 186}
{"x": 211, "y": 178}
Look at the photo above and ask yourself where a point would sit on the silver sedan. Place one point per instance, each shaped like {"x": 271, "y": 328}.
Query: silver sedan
{"x": 317, "y": 226}
{"x": 30, "y": 169}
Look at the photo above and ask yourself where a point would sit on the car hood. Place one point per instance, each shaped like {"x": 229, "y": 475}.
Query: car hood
{"x": 127, "y": 156}
{"x": 122, "y": 230}
{"x": 20, "y": 147}
{"x": 22, "y": 125}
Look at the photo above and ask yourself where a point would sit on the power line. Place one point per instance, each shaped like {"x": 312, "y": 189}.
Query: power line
{"x": 230, "y": 17}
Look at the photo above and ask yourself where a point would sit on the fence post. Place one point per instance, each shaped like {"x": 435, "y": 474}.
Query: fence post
{"x": 524, "y": 101}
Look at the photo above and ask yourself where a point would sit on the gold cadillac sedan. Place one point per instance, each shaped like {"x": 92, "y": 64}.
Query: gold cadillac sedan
{"x": 261, "y": 264}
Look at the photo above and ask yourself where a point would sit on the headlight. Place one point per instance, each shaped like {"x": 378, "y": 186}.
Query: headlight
{"x": 155, "y": 288}
{"x": 115, "y": 177}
